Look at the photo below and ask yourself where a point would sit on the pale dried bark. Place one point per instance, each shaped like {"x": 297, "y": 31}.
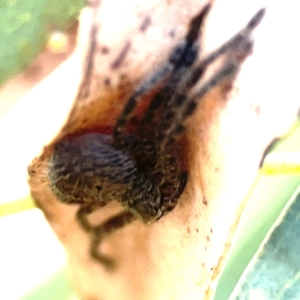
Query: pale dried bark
{"x": 181, "y": 256}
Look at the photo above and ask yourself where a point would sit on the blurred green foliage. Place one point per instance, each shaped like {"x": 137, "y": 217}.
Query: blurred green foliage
{"x": 274, "y": 272}
{"x": 24, "y": 27}
{"x": 269, "y": 198}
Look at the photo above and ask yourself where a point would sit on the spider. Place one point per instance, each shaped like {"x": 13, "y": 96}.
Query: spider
{"x": 142, "y": 170}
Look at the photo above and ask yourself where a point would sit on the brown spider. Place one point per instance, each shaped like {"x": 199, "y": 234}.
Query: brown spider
{"x": 142, "y": 170}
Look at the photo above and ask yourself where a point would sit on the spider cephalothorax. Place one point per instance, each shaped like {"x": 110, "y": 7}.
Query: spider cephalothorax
{"x": 143, "y": 171}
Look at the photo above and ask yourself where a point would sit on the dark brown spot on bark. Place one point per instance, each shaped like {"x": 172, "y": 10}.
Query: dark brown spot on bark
{"x": 85, "y": 120}
{"x": 122, "y": 77}
{"x": 107, "y": 82}
{"x": 226, "y": 88}
{"x": 31, "y": 173}
{"x": 146, "y": 23}
{"x": 172, "y": 33}
{"x": 121, "y": 57}
{"x": 256, "y": 108}
{"x": 104, "y": 50}
{"x": 84, "y": 89}
{"x": 204, "y": 201}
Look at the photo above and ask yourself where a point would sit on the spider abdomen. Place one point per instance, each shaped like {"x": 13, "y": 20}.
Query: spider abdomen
{"x": 88, "y": 168}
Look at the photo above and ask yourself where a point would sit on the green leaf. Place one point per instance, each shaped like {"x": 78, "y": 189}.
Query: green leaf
{"x": 274, "y": 272}
{"x": 285, "y": 155}
{"x": 24, "y": 28}
{"x": 278, "y": 181}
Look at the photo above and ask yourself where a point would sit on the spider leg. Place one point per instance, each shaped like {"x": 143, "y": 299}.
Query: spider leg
{"x": 100, "y": 232}
{"x": 119, "y": 129}
{"x": 84, "y": 211}
{"x": 181, "y": 106}
{"x": 235, "y": 42}
{"x": 236, "y": 49}
{"x": 181, "y": 65}
{"x": 181, "y": 55}
{"x": 169, "y": 135}
{"x": 169, "y": 203}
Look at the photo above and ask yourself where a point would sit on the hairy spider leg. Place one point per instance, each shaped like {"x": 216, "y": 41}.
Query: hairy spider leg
{"x": 234, "y": 42}
{"x": 181, "y": 106}
{"x": 160, "y": 100}
{"x": 182, "y": 63}
{"x": 177, "y": 57}
{"x": 84, "y": 211}
{"x": 169, "y": 167}
{"x": 106, "y": 228}
{"x": 181, "y": 59}
{"x": 234, "y": 47}
{"x": 119, "y": 129}
{"x": 237, "y": 47}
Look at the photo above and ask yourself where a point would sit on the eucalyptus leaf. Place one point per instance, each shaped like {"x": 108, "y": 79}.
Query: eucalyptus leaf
{"x": 24, "y": 28}
{"x": 278, "y": 180}
{"x": 274, "y": 272}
